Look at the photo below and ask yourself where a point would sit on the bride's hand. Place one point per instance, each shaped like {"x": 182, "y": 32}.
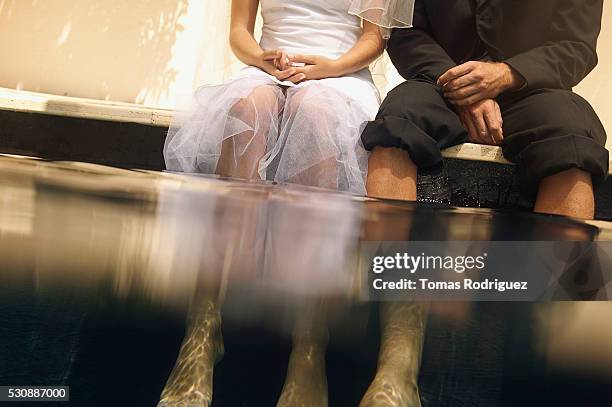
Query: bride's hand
{"x": 276, "y": 57}
{"x": 316, "y": 67}
{"x": 276, "y": 63}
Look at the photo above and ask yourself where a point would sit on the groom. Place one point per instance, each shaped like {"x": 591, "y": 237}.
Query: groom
{"x": 496, "y": 72}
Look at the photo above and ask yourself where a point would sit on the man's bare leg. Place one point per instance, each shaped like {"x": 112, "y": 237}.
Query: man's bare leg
{"x": 391, "y": 175}
{"x": 399, "y": 358}
{"x": 568, "y": 193}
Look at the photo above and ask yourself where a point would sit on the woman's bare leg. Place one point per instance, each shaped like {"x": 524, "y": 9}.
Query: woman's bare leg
{"x": 191, "y": 381}
{"x": 323, "y": 174}
{"x": 306, "y": 381}
{"x": 311, "y": 104}
{"x": 191, "y": 378}
{"x": 240, "y": 154}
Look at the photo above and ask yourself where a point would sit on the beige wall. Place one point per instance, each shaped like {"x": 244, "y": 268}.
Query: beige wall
{"x": 150, "y": 51}
{"x": 142, "y": 51}
{"x": 597, "y": 87}
{"x": 130, "y": 51}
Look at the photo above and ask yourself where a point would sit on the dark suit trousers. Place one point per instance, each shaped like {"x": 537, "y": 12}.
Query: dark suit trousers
{"x": 546, "y": 131}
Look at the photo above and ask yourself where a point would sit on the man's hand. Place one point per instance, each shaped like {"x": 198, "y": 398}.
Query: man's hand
{"x": 483, "y": 121}
{"x": 475, "y": 81}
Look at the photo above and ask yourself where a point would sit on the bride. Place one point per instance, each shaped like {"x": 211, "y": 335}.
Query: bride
{"x": 296, "y": 113}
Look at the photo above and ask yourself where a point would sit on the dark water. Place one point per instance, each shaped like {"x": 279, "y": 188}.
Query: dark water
{"x": 99, "y": 267}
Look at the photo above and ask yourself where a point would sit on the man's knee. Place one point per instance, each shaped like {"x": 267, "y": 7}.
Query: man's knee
{"x": 552, "y": 131}
{"x": 391, "y": 174}
{"x": 568, "y": 192}
{"x": 415, "y": 117}
{"x": 568, "y": 178}
{"x": 409, "y": 98}
{"x": 558, "y": 113}
{"x": 388, "y": 157}
{"x": 575, "y": 116}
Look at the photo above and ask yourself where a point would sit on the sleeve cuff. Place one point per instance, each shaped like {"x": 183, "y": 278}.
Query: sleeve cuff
{"x": 515, "y": 71}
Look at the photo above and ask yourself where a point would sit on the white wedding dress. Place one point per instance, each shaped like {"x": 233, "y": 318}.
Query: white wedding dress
{"x": 307, "y": 133}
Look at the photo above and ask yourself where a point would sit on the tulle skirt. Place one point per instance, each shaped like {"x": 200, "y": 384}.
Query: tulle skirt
{"x": 253, "y": 124}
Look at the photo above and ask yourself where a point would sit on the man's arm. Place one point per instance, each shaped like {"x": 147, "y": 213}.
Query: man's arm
{"x": 414, "y": 52}
{"x": 571, "y": 54}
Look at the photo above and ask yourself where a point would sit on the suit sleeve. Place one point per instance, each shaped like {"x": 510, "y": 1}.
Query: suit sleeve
{"x": 571, "y": 54}
{"x": 415, "y": 53}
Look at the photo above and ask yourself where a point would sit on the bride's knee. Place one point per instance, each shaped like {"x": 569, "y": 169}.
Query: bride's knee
{"x": 258, "y": 111}
{"x": 315, "y": 102}
{"x": 322, "y": 116}
{"x": 261, "y": 104}
{"x": 265, "y": 95}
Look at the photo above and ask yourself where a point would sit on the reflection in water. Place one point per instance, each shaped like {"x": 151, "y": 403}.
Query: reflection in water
{"x": 100, "y": 266}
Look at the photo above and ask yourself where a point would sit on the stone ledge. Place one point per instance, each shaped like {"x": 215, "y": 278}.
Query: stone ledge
{"x": 66, "y": 106}
{"x": 476, "y": 152}
{"x": 32, "y": 102}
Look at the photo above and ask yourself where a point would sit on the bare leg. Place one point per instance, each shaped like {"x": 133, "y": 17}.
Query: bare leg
{"x": 391, "y": 175}
{"x": 568, "y": 193}
{"x": 306, "y": 382}
{"x": 320, "y": 166}
{"x": 191, "y": 382}
{"x": 240, "y": 154}
{"x": 399, "y": 360}
{"x": 323, "y": 174}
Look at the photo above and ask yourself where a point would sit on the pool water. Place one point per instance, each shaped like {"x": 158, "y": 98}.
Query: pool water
{"x": 99, "y": 267}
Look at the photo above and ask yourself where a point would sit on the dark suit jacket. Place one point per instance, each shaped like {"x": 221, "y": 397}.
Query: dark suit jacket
{"x": 552, "y": 43}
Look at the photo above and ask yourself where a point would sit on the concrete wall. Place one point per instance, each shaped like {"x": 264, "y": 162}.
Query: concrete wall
{"x": 151, "y": 51}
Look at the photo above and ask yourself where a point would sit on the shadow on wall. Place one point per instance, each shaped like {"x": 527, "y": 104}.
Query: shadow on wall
{"x": 95, "y": 45}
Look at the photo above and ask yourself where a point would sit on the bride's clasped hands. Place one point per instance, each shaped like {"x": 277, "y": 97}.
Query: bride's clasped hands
{"x": 299, "y": 68}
